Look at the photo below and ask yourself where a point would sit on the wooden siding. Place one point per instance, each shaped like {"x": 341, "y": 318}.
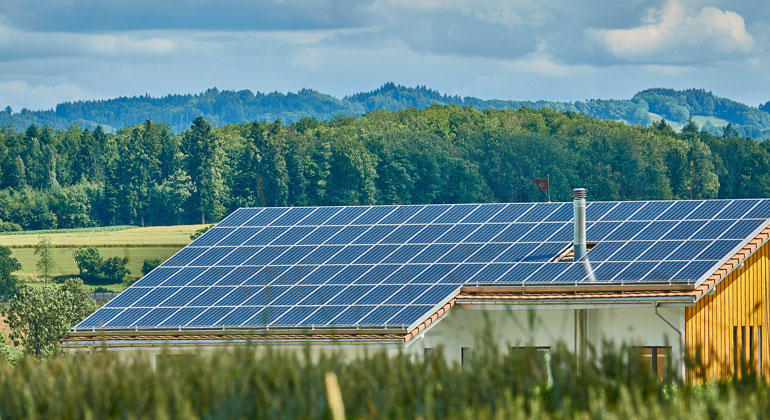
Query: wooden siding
{"x": 728, "y": 327}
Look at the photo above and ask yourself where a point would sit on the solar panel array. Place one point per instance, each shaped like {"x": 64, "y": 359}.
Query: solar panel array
{"x": 390, "y": 266}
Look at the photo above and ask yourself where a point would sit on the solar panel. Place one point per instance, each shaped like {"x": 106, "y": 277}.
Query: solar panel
{"x": 391, "y": 265}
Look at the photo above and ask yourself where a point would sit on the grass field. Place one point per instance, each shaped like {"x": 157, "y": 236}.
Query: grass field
{"x": 701, "y": 120}
{"x": 249, "y": 382}
{"x": 136, "y": 244}
{"x": 656, "y": 118}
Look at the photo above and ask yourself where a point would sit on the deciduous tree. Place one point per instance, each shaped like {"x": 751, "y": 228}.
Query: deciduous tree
{"x": 39, "y": 316}
{"x": 45, "y": 260}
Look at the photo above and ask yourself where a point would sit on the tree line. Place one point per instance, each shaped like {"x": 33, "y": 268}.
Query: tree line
{"x": 145, "y": 174}
{"x": 235, "y": 107}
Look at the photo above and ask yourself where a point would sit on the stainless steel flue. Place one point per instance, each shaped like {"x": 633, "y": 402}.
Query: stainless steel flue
{"x": 579, "y": 251}
{"x": 579, "y": 204}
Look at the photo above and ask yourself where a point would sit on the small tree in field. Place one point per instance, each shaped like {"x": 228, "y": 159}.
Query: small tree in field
{"x": 8, "y": 265}
{"x": 39, "y": 316}
{"x": 45, "y": 263}
{"x": 89, "y": 263}
{"x": 114, "y": 270}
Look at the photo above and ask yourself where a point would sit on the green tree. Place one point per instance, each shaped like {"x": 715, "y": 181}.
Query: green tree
{"x": 205, "y": 162}
{"x": 149, "y": 265}
{"x": 39, "y": 316}
{"x": 729, "y": 131}
{"x": 8, "y": 265}
{"x": 170, "y": 197}
{"x": 18, "y": 174}
{"x": 352, "y": 171}
{"x": 261, "y": 172}
{"x": 706, "y": 181}
{"x": 89, "y": 263}
{"x": 197, "y": 234}
{"x": 113, "y": 270}
{"x": 45, "y": 262}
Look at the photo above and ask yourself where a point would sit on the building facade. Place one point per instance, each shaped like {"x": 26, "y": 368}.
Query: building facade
{"x": 674, "y": 279}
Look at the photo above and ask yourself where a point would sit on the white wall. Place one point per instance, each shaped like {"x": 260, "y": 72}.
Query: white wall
{"x": 511, "y": 326}
{"x": 518, "y": 326}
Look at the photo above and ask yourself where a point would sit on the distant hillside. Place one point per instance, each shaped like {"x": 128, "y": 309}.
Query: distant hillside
{"x": 708, "y": 111}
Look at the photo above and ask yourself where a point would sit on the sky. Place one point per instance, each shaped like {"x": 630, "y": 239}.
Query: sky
{"x": 53, "y": 51}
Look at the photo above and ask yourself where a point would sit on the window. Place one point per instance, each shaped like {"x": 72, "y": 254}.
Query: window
{"x": 465, "y": 355}
{"x": 747, "y": 349}
{"x": 542, "y": 357}
{"x": 429, "y": 352}
{"x": 656, "y": 358}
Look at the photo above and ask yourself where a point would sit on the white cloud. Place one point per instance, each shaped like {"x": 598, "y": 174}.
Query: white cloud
{"x": 19, "y": 94}
{"x": 19, "y": 44}
{"x": 676, "y": 34}
{"x": 113, "y": 44}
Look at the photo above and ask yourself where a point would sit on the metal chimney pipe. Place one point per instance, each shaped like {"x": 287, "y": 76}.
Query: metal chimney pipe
{"x": 579, "y": 251}
{"x": 579, "y": 205}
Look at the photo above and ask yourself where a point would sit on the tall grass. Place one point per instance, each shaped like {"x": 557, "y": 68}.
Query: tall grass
{"x": 244, "y": 383}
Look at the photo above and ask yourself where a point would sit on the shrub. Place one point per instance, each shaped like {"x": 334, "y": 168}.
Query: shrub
{"x": 200, "y": 232}
{"x": 8, "y": 265}
{"x": 39, "y": 316}
{"x": 8, "y": 353}
{"x": 149, "y": 265}
{"x": 89, "y": 263}
{"x": 9, "y": 227}
{"x": 114, "y": 270}
{"x": 95, "y": 270}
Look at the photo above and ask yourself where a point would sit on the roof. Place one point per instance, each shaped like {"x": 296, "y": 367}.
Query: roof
{"x": 393, "y": 268}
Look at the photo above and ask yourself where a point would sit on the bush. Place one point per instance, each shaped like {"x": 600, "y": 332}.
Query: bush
{"x": 9, "y": 354}
{"x": 40, "y": 316}
{"x": 8, "y": 265}
{"x": 114, "y": 270}
{"x": 95, "y": 270}
{"x": 149, "y": 265}
{"x": 197, "y": 234}
{"x": 89, "y": 263}
{"x": 9, "y": 227}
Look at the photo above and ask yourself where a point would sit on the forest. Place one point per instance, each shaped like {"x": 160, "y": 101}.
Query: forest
{"x": 220, "y": 108}
{"x": 145, "y": 174}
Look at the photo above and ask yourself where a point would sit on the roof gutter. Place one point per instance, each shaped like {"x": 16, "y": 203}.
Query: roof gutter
{"x": 94, "y": 344}
{"x": 678, "y": 300}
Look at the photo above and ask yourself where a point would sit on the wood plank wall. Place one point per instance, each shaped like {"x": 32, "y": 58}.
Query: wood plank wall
{"x": 730, "y": 326}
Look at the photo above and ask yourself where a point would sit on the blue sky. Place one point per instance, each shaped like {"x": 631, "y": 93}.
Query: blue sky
{"x": 60, "y": 50}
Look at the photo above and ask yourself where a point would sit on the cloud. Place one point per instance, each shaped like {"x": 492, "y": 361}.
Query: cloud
{"x": 676, "y": 35}
{"x": 19, "y": 94}
{"x": 464, "y": 28}
{"x": 112, "y": 44}
{"x": 56, "y": 50}
{"x": 136, "y": 15}
{"x": 18, "y": 44}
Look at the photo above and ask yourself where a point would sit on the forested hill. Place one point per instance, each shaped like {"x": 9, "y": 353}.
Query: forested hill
{"x": 708, "y": 111}
{"x": 147, "y": 174}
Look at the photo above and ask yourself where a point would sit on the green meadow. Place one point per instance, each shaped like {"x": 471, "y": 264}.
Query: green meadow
{"x": 134, "y": 243}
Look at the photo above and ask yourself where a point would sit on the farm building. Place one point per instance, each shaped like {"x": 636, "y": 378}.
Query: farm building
{"x": 666, "y": 277}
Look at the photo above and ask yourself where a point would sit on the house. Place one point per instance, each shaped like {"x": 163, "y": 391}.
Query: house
{"x": 671, "y": 278}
